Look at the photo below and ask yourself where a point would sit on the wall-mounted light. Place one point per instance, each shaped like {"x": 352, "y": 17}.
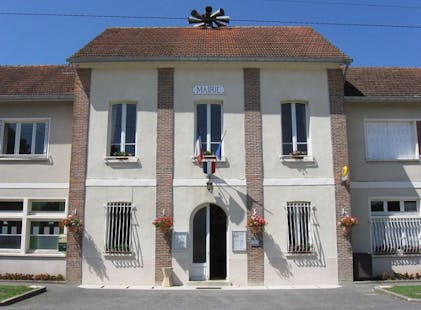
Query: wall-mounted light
{"x": 209, "y": 186}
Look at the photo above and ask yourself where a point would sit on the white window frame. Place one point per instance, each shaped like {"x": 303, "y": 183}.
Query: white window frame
{"x": 109, "y": 226}
{"x": 415, "y": 139}
{"x": 402, "y": 211}
{"x": 294, "y": 128}
{"x": 19, "y": 122}
{"x": 208, "y": 137}
{"x": 26, "y": 216}
{"x": 123, "y": 128}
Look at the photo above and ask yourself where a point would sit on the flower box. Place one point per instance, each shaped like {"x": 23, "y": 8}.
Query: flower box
{"x": 298, "y": 154}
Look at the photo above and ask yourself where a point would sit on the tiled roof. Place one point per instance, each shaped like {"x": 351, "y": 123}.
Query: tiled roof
{"x": 383, "y": 82}
{"x": 46, "y": 80}
{"x": 238, "y": 43}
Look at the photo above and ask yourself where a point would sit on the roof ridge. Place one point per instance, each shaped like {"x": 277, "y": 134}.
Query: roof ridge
{"x": 37, "y": 66}
{"x": 383, "y": 67}
{"x": 190, "y": 27}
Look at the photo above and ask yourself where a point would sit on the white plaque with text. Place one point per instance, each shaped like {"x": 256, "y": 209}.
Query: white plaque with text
{"x": 239, "y": 240}
{"x": 179, "y": 241}
{"x": 208, "y": 89}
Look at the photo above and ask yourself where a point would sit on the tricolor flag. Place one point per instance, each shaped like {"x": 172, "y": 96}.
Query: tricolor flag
{"x": 218, "y": 152}
{"x": 198, "y": 153}
{"x": 209, "y": 167}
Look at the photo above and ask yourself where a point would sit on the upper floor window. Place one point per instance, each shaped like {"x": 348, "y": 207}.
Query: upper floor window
{"x": 209, "y": 125}
{"x": 294, "y": 129}
{"x": 392, "y": 140}
{"x": 123, "y": 129}
{"x": 26, "y": 137}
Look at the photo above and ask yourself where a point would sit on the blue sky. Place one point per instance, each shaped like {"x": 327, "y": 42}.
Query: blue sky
{"x": 50, "y": 40}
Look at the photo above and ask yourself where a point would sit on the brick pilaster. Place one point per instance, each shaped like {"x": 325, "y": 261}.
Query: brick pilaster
{"x": 78, "y": 171}
{"x": 340, "y": 159}
{"x": 254, "y": 169}
{"x": 164, "y": 166}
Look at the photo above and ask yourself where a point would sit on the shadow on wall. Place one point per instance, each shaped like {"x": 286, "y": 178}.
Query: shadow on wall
{"x": 94, "y": 260}
{"x": 405, "y": 261}
{"x": 135, "y": 260}
{"x": 318, "y": 258}
{"x": 277, "y": 259}
{"x": 236, "y": 212}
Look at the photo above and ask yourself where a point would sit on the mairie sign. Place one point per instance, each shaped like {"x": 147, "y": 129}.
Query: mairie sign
{"x": 208, "y": 89}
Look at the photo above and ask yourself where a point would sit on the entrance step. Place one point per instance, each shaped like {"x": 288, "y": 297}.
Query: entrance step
{"x": 209, "y": 283}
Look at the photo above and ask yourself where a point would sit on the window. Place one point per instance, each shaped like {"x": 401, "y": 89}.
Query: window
{"x": 380, "y": 206}
{"x": 47, "y": 206}
{"x": 23, "y": 137}
{"x": 44, "y": 235}
{"x": 118, "y": 228}
{"x": 15, "y": 215}
{"x": 10, "y": 234}
{"x": 123, "y": 129}
{"x": 299, "y": 227}
{"x": 392, "y": 140}
{"x": 395, "y": 226}
{"x": 209, "y": 125}
{"x": 294, "y": 128}
{"x": 7, "y": 206}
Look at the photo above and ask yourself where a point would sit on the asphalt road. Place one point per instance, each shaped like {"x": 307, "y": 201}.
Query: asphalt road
{"x": 353, "y": 296}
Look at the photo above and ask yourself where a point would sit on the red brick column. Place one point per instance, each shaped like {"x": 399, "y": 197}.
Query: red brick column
{"x": 164, "y": 166}
{"x": 78, "y": 171}
{"x": 340, "y": 159}
{"x": 254, "y": 169}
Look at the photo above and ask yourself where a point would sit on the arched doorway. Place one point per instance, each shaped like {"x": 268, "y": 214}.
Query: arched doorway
{"x": 209, "y": 257}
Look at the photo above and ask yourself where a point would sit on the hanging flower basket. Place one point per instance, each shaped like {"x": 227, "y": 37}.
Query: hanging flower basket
{"x": 347, "y": 222}
{"x": 256, "y": 223}
{"x": 163, "y": 223}
{"x": 72, "y": 222}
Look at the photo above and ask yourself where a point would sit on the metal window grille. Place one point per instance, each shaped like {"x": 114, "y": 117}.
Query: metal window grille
{"x": 396, "y": 235}
{"x": 299, "y": 227}
{"x": 118, "y": 228}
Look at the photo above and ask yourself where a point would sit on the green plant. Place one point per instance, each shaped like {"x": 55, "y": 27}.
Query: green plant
{"x": 31, "y": 277}
{"x": 298, "y": 154}
{"x": 121, "y": 154}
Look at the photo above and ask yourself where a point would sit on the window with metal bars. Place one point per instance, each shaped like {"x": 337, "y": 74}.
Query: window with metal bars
{"x": 299, "y": 227}
{"x": 118, "y": 228}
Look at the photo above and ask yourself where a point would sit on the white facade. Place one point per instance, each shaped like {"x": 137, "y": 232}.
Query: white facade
{"x": 285, "y": 181}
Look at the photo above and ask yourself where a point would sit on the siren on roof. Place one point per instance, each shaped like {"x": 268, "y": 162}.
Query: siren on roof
{"x": 214, "y": 20}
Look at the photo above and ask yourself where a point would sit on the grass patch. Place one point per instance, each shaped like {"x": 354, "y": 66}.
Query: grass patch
{"x": 8, "y": 291}
{"x": 410, "y": 291}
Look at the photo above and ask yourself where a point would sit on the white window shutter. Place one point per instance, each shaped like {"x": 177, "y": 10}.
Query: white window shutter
{"x": 377, "y": 141}
{"x": 401, "y": 140}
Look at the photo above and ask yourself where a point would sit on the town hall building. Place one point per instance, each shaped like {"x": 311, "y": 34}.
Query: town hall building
{"x": 201, "y": 132}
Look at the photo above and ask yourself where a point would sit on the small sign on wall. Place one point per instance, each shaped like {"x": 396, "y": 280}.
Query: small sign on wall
{"x": 179, "y": 241}
{"x": 208, "y": 89}
{"x": 239, "y": 241}
{"x": 62, "y": 243}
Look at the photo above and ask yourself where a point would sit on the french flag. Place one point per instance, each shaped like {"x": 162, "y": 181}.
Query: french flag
{"x": 209, "y": 167}
{"x": 198, "y": 153}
